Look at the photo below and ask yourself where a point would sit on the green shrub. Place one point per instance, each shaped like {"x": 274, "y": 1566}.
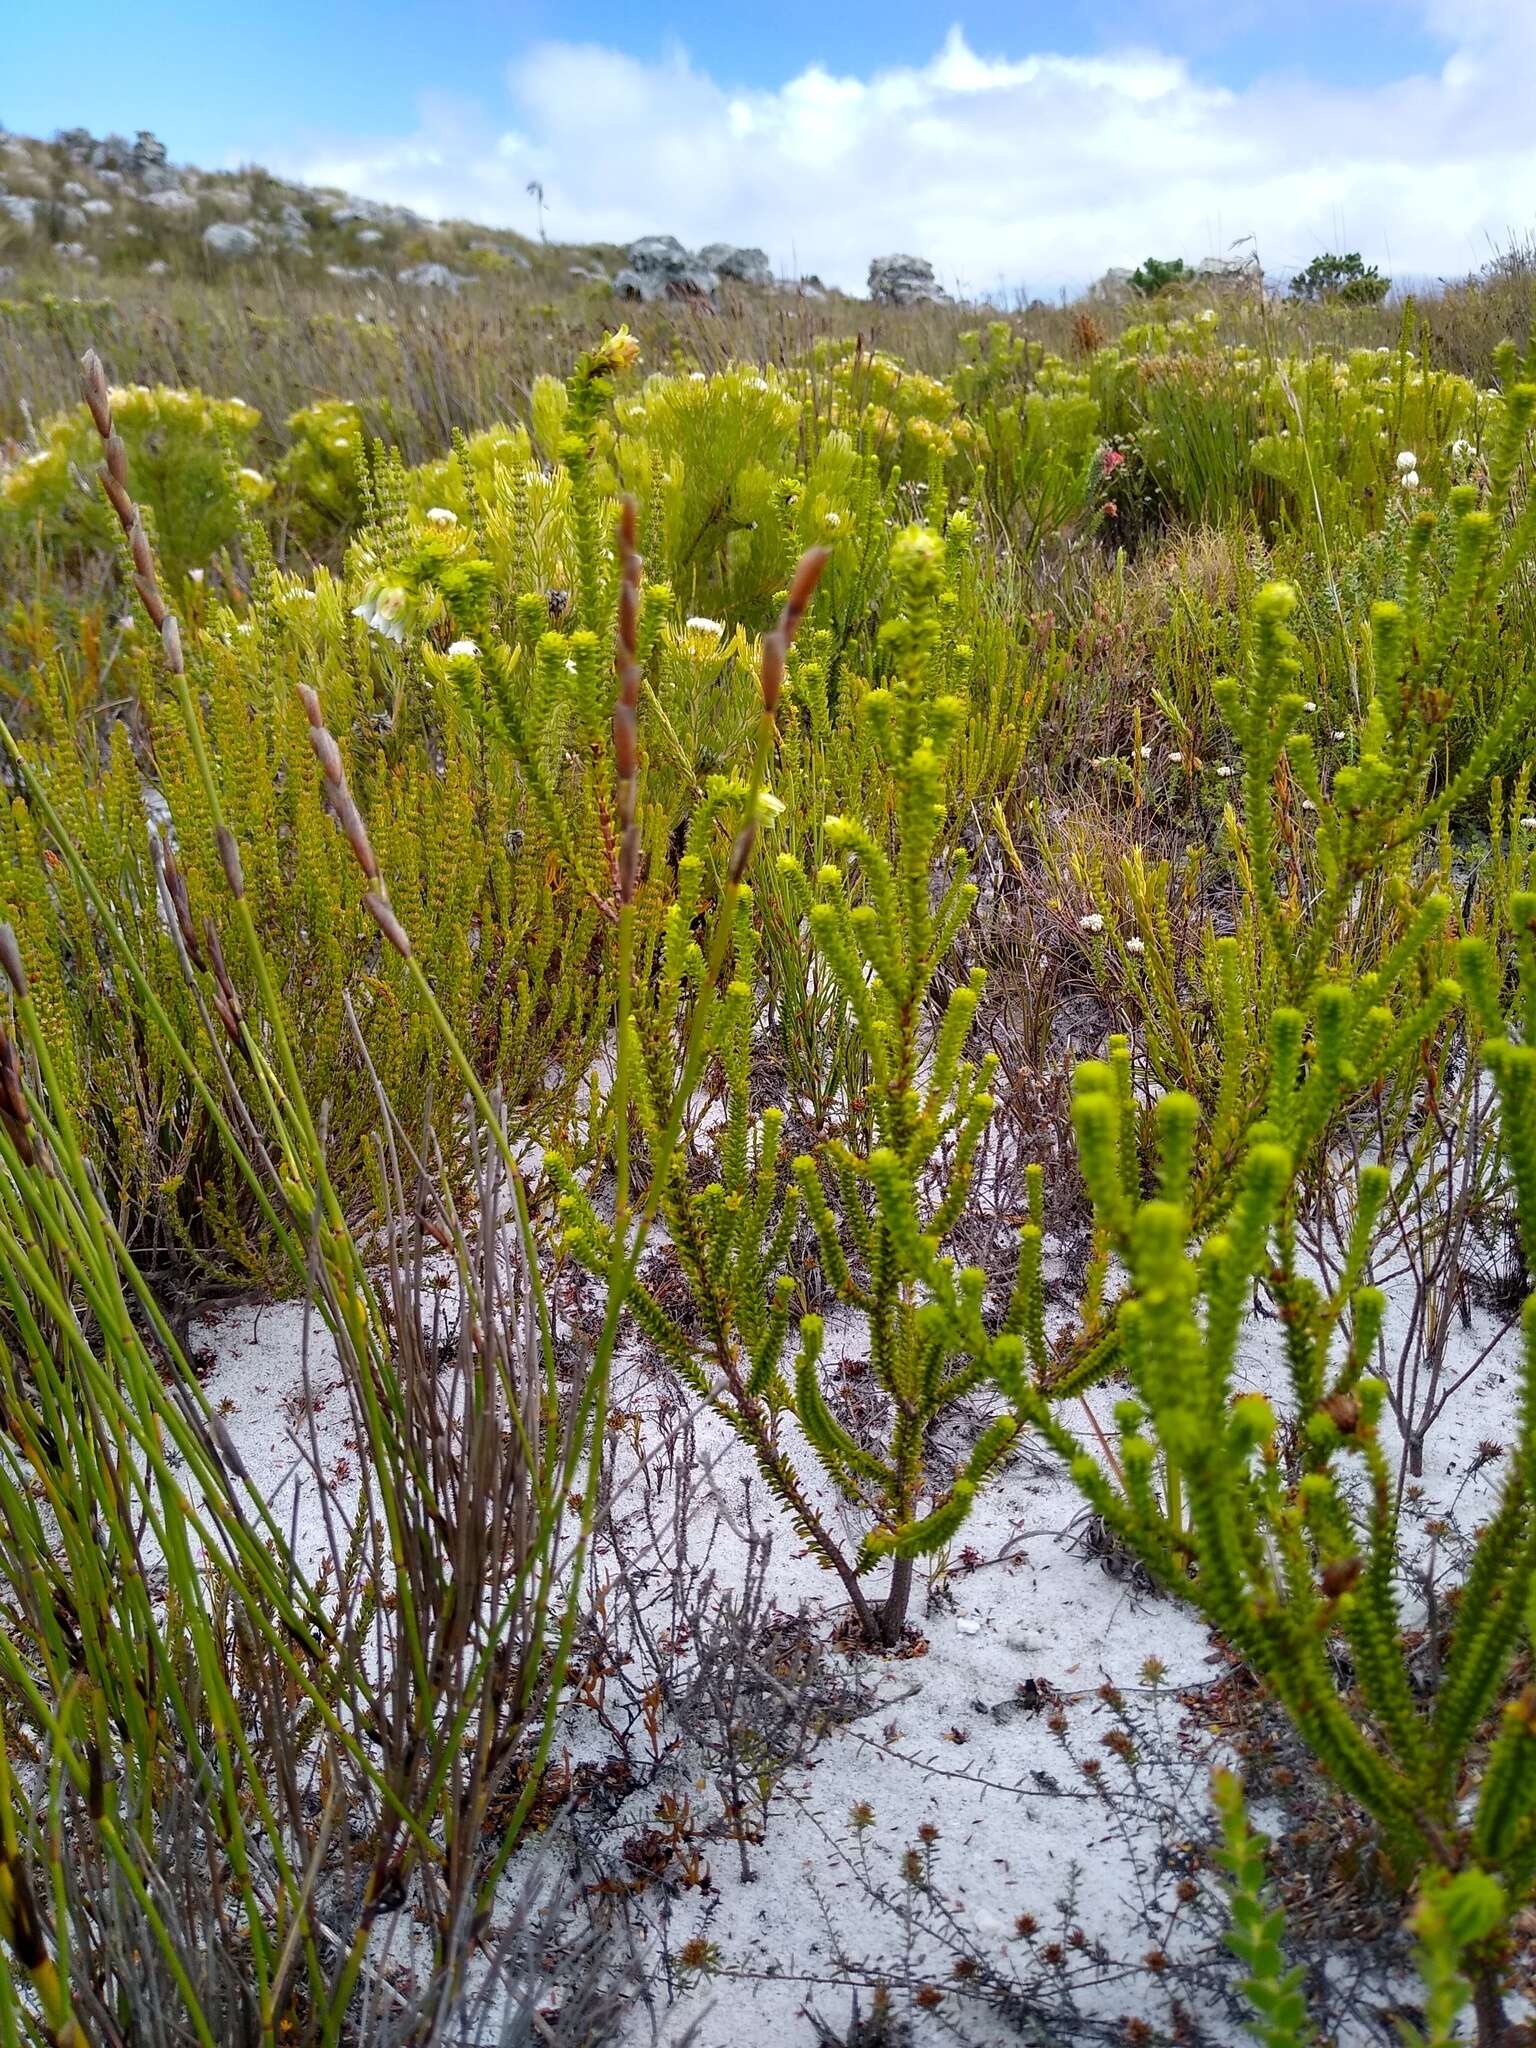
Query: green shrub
{"x": 188, "y": 457}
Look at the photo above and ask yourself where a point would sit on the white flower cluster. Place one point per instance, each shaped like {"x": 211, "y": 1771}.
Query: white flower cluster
{"x": 382, "y": 611}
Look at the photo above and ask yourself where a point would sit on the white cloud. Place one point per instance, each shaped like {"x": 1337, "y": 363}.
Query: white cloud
{"x": 1035, "y": 172}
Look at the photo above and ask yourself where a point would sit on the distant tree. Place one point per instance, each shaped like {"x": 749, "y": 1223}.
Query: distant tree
{"x": 1345, "y": 278}
{"x": 1156, "y": 274}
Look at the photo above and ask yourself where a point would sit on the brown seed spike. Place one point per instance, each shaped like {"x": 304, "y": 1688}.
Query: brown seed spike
{"x": 772, "y": 670}
{"x": 628, "y": 517}
{"x": 311, "y": 703}
{"x": 10, "y": 960}
{"x": 625, "y": 759}
{"x": 229, "y": 857}
{"x": 387, "y": 923}
{"x": 350, "y": 819}
{"x": 97, "y": 395}
{"x": 327, "y": 753}
{"x": 120, "y": 501}
{"x": 801, "y": 590}
{"x": 629, "y": 863}
{"x": 629, "y": 616}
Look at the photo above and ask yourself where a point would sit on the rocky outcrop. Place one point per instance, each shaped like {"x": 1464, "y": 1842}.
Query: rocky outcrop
{"x": 1114, "y": 288}
{"x": 743, "y": 266}
{"x": 659, "y": 267}
{"x": 435, "y": 277}
{"x": 231, "y": 238}
{"x": 1225, "y": 273}
{"x": 904, "y": 281}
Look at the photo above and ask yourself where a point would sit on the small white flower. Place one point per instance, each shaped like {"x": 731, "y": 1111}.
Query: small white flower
{"x": 381, "y": 613}
{"x": 1223, "y": 771}
{"x": 1309, "y": 705}
{"x": 1176, "y": 756}
{"x": 1406, "y": 461}
{"x": 1410, "y": 482}
{"x": 702, "y": 625}
{"x": 1208, "y": 317}
{"x": 1528, "y": 824}
{"x": 1461, "y": 451}
{"x": 1135, "y": 945}
{"x": 1339, "y": 733}
{"x": 770, "y": 808}
{"x": 1146, "y": 753}
{"x": 697, "y": 377}
{"x": 469, "y": 647}
{"x": 195, "y": 575}
{"x": 1091, "y": 923}
{"x": 439, "y": 515}
{"x": 1307, "y": 804}
{"x": 832, "y": 521}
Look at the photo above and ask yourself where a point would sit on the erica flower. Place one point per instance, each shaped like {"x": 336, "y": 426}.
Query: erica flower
{"x": 1135, "y": 945}
{"x": 1091, "y": 923}
{"x": 382, "y": 611}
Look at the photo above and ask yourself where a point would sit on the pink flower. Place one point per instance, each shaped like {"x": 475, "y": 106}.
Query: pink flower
{"x": 1110, "y": 460}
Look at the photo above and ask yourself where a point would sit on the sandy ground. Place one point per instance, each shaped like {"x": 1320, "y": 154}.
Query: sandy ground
{"x": 962, "y": 1734}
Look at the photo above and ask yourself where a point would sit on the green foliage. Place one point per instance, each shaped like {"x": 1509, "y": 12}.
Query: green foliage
{"x": 1156, "y": 273}
{"x": 712, "y": 885}
{"x": 174, "y": 1716}
{"x": 881, "y": 1209}
{"x": 320, "y": 474}
{"x": 1345, "y": 278}
{"x": 188, "y": 457}
{"x": 1257, "y": 1931}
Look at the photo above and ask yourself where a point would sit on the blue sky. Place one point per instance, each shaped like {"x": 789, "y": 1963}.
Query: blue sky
{"x": 1020, "y": 147}
{"x": 217, "y": 81}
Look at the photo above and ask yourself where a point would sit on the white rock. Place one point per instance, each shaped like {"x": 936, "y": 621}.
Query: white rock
{"x": 230, "y": 238}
